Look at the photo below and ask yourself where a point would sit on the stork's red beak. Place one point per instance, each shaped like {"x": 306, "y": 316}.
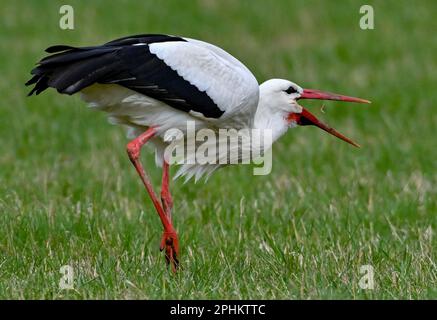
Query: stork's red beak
{"x": 307, "y": 118}
{"x": 317, "y": 94}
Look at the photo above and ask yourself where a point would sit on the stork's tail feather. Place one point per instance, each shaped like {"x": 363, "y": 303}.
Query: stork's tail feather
{"x": 71, "y": 69}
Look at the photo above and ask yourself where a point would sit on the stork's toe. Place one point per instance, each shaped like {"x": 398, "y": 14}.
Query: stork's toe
{"x": 170, "y": 243}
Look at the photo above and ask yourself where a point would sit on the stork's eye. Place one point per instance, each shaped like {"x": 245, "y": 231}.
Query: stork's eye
{"x": 291, "y": 90}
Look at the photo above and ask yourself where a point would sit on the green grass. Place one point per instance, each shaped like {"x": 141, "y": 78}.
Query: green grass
{"x": 68, "y": 194}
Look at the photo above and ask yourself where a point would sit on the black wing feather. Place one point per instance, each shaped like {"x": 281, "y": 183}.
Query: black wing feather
{"x": 122, "y": 62}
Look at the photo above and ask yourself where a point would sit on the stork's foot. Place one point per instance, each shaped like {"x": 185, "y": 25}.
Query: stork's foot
{"x": 170, "y": 243}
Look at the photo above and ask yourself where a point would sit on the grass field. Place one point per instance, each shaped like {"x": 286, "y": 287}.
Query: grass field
{"x": 68, "y": 193}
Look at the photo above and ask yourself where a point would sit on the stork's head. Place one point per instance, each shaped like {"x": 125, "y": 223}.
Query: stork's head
{"x": 279, "y": 102}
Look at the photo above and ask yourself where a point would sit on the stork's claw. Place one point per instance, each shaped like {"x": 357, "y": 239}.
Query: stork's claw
{"x": 170, "y": 243}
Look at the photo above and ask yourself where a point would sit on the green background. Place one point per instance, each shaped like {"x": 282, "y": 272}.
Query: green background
{"x": 68, "y": 193}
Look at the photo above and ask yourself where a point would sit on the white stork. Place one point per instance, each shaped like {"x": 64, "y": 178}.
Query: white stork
{"x": 154, "y": 82}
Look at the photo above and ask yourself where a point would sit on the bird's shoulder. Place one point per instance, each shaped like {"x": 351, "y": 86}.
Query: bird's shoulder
{"x": 227, "y": 81}
{"x": 194, "y": 75}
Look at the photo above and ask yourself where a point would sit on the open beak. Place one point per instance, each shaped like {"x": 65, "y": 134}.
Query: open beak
{"x": 307, "y": 118}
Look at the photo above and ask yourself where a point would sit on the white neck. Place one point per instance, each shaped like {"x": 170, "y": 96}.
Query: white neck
{"x": 267, "y": 117}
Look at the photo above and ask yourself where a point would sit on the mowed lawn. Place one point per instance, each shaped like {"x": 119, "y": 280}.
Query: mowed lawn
{"x": 69, "y": 195}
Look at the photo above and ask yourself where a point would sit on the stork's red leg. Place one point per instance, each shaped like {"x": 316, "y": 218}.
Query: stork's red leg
{"x": 169, "y": 238}
{"x": 166, "y": 199}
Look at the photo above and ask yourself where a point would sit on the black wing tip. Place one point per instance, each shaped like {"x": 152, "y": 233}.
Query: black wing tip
{"x": 62, "y": 57}
{"x": 33, "y": 91}
{"x": 40, "y": 82}
{"x": 31, "y": 81}
{"x": 58, "y": 48}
